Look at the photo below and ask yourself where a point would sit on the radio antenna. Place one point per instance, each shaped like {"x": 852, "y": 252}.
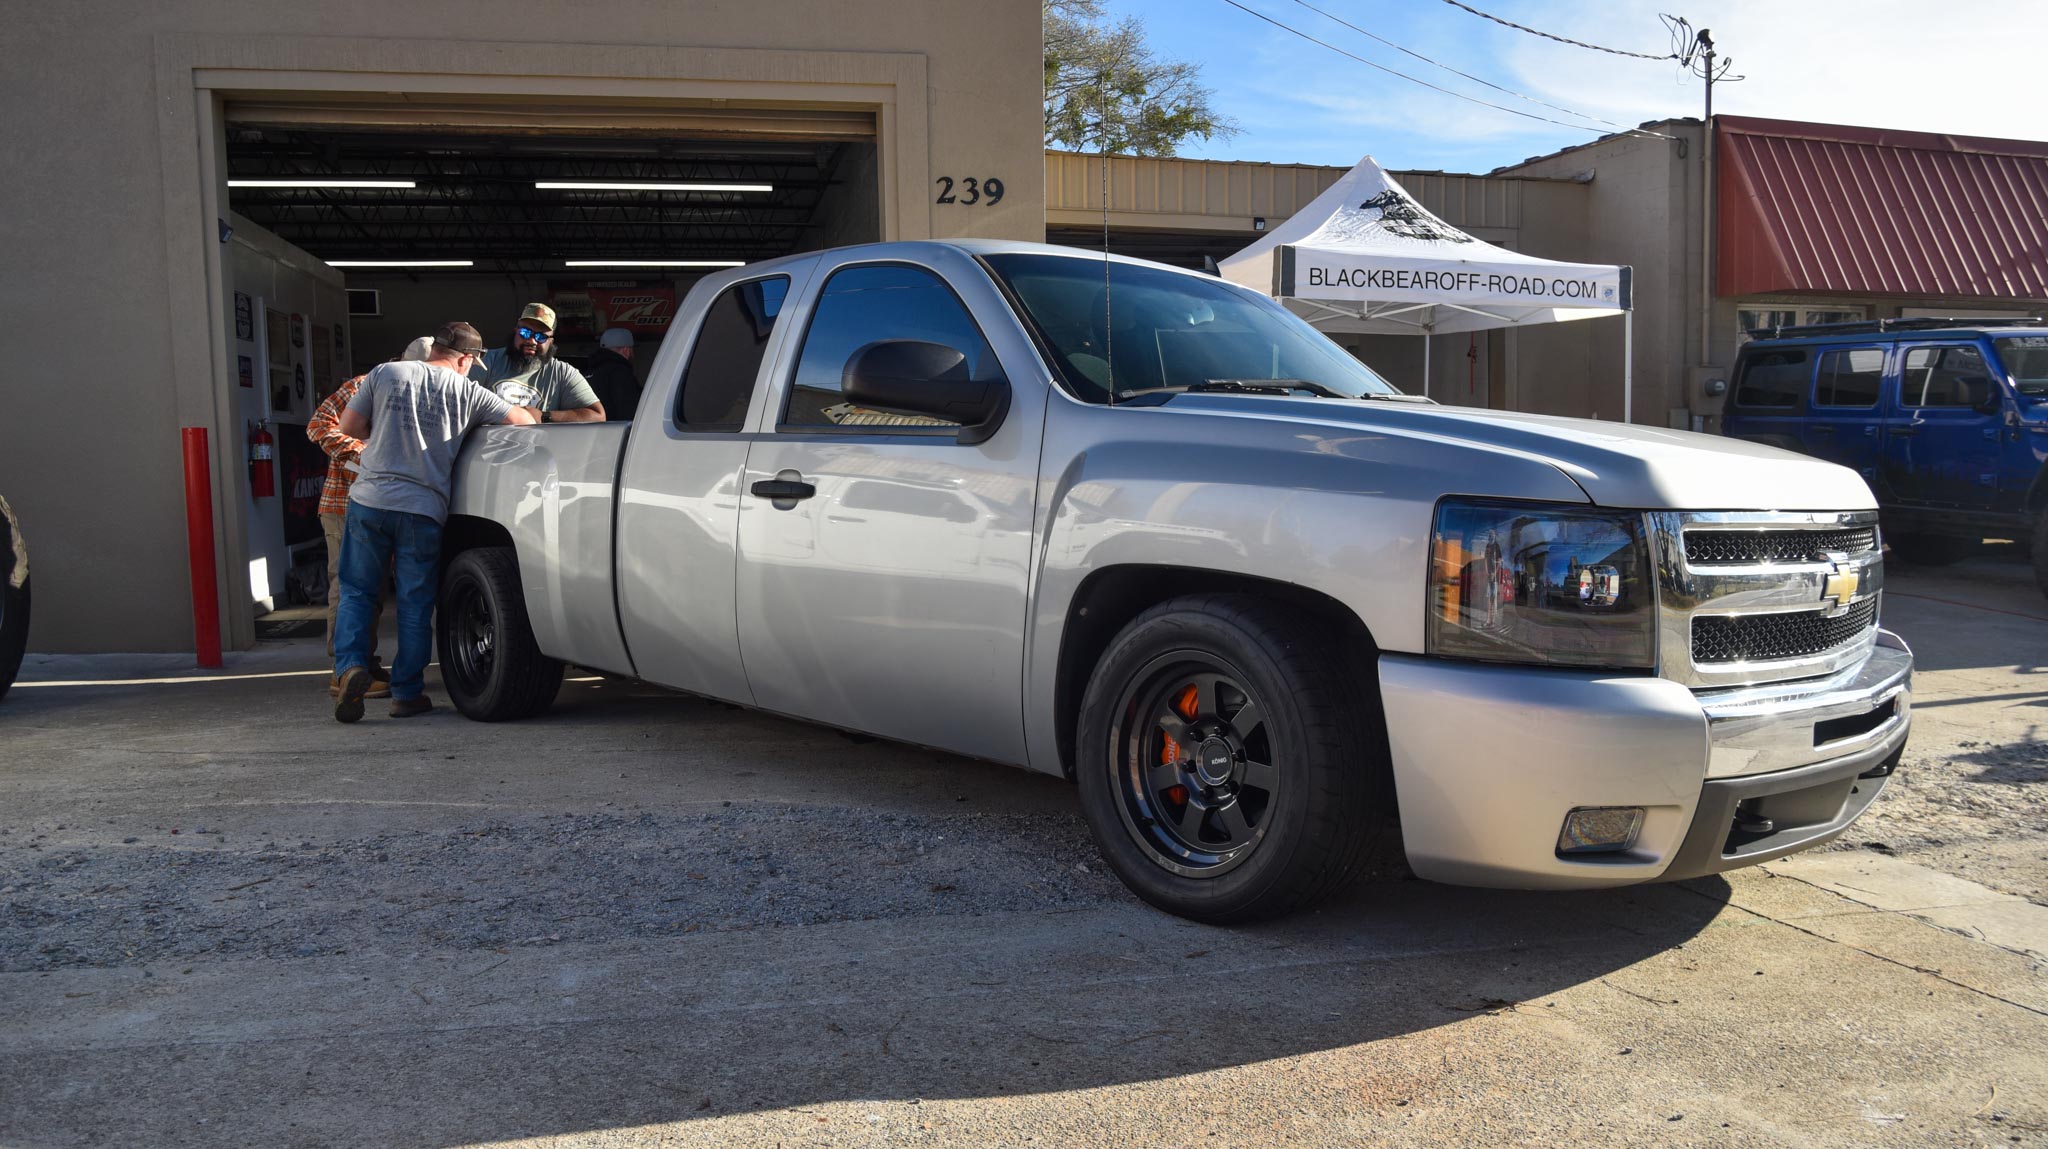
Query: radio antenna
{"x": 1108, "y": 330}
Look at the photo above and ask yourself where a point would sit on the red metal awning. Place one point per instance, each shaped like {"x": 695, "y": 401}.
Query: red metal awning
{"x": 1867, "y": 211}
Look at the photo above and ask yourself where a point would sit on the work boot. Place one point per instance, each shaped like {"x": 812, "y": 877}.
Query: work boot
{"x": 411, "y": 707}
{"x": 354, "y": 682}
{"x": 379, "y": 673}
{"x": 379, "y": 687}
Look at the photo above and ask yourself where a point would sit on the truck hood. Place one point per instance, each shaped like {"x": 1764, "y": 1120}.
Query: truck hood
{"x": 1617, "y": 464}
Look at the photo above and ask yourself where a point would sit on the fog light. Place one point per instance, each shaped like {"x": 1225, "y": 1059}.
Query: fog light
{"x": 1600, "y": 829}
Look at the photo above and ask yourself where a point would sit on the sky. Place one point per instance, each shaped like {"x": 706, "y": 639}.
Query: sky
{"x": 1968, "y": 67}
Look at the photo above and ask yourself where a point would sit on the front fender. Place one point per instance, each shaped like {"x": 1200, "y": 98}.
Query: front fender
{"x": 1345, "y": 512}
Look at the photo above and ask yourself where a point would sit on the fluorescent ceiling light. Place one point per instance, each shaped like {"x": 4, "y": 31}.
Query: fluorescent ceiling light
{"x": 547, "y": 185}
{"x": 311, "y": 183}
{"x": 400, "y": 263}
{"x": 654, "y": 263}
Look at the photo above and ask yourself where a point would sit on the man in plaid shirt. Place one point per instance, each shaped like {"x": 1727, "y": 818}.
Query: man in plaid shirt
{"x": 324, "y": 430}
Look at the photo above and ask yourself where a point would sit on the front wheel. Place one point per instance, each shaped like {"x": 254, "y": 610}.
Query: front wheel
{"x": 1230, "y": 767}
{"x": 13, "y": 597}
{"x": 489, "y": 663}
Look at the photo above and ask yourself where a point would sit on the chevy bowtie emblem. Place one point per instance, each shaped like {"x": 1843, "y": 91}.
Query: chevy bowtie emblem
{"x": 1839, "y": 589}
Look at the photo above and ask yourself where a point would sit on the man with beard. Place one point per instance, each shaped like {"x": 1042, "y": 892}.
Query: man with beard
{"x": 525, "y": 373}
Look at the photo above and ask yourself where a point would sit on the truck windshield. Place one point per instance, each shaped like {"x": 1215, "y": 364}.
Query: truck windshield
{"x": 2026, "y": 360}
{"x": 1147, "y": 330}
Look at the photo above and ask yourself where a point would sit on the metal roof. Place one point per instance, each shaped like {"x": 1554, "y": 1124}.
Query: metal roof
{"x": 1869, "y": 211}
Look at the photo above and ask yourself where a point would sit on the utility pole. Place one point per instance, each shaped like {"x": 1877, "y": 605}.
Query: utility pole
{"x": 1700, "y": 58}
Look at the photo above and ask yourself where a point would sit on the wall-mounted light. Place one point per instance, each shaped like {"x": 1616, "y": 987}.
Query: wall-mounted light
{"x": 1258, "y": 223}
{"x": 401, "y": 263}
{"x": 654, "y": 263}
{"x": 582, "y": 185}
{"x": 319, "y": 183}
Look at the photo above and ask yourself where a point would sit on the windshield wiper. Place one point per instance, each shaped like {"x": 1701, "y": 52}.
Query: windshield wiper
{"x": 1268, "y": 387}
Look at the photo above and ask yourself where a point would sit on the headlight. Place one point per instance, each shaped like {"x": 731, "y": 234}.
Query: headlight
{"x": 1533, "y": 582}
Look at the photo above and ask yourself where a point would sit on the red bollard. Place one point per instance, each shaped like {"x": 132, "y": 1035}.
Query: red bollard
{"x": 199, "y": 550}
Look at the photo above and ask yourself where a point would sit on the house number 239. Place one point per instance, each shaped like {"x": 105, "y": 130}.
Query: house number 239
{"x": 970, "y": 190}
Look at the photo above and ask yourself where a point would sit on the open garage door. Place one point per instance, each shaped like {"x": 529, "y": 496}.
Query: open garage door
{"x": 471, "y": 209}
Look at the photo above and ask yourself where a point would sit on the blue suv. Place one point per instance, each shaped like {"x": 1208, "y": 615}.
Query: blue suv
{"x": 1946, "y": 419}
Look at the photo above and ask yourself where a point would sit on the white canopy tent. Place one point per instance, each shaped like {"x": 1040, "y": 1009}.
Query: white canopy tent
{"x": 1365, "y": 257}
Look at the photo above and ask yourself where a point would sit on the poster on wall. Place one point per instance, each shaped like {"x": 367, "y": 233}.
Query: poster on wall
{"x": 277, "y": 326}
{"x": 298, "y": 331}
{"x": 245, "y": 318}
{"x": 303, "y": 468}
{"x": 323, "y": 362}
{"x": 640, "y": 310}
{"x": 245, "y": 370}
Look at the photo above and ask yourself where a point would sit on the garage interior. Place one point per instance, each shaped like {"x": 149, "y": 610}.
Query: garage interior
{"x": 608, "y": 212}
{"x": 801, "y": 179}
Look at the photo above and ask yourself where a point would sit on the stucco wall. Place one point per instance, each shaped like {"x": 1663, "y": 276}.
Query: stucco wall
{"x": 110, "y": 250}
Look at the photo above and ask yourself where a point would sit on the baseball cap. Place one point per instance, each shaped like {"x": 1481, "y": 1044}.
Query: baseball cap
{"x": 539, "y": 313}
{"x": 459, "y": 337}
{"x": 615, "y": 337}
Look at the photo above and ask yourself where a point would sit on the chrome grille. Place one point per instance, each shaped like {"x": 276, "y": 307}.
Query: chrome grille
{"x": 1774, "y": 637}
{"x": 1747, "y": 597}
{"x": 1717, "y": 548}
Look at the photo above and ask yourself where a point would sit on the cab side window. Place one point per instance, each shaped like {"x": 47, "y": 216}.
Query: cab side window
{"x": 1773, "y": 378}
{"x": 859, "y": 306}
{"x": 1942, "y": 376}
{"x": 719, "y": 379}
{"x": 1849, "y": 378}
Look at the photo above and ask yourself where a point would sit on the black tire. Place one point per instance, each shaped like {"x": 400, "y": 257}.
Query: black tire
{"x": 2041, "y": 549}
{"x": 1920, "y": 550}
{"x": 489, "y": 664}
{"x": 13, "y": 597}
{"x": 1309, "y": 818}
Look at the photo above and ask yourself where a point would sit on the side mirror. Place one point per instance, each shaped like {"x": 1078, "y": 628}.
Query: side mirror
{"x": 912, "y": 377}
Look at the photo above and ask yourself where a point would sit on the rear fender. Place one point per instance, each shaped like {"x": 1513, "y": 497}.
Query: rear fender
{"x": 551, "y": 489}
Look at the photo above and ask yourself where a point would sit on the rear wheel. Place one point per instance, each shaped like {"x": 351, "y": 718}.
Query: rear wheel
{"x": 1228, "y": 769}
{"x": 490, "y": 665}
{"x": 1921, "y": 550}
{"x": 2041, "y": 548}
{"x": 13, "y": 597}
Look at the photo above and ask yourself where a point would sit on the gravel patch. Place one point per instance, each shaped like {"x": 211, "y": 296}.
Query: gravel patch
{"x": 501, "y": 883}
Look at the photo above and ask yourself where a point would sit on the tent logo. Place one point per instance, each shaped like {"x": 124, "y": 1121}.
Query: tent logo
{"x": 1404, "y": 217}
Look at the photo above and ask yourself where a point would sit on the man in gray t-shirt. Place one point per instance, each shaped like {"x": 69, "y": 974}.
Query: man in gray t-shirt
{"x": 412, "y": 418}
{"x": 525, "y": 373}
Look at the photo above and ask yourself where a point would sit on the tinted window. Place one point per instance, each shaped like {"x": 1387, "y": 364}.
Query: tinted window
{"x": 1772, "y": 379}
{"x": 1849, "y": 378}
{"x": 719, "y": 379}
{"x": 2026, "y": 360}
{"x": 859, "y": 306}
{"x": 1939, "y": 376}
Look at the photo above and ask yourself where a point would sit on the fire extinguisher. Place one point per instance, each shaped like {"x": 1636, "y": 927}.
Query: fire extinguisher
{"x": 262, "y": 480}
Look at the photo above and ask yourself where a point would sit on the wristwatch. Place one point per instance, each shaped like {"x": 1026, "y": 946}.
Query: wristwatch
{"x": 544, "y": 416}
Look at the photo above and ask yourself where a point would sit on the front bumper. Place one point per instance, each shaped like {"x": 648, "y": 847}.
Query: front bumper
{"x": 1488, "y": 760}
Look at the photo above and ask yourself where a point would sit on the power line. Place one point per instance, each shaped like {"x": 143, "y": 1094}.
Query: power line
{"x": 1559, "y": 39}
{"x": 1426, "y": 83}
{"x": 1454, "y": 71}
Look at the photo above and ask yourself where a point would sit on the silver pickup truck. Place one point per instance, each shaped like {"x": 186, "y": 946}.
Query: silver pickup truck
{"x": 1146, "y": 530}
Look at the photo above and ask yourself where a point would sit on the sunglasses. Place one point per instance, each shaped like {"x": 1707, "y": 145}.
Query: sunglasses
{"x": 536, "y": 336}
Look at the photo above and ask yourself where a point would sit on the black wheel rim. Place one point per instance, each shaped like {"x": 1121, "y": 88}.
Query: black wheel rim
{"x": 1196, "y": 780}
{"x": 472, "y": 637}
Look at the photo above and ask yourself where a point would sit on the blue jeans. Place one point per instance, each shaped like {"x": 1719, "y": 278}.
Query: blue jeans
{"x": 409, "y": 546}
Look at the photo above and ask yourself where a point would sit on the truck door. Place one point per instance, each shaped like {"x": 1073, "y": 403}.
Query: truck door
{"x": 1843, "y": 423}
{"x": 1941, "y": 438}
{"x": 889, "y": 594}
{"x": 679, "y": 511}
